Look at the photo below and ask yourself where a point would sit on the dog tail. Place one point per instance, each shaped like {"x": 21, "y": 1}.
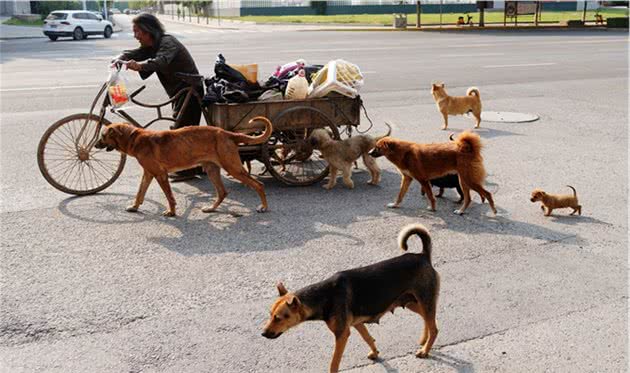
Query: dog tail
{"x": 389, "y": 132}
{"x": 254, "y": 140}
{"x": 468, "y": 142}
{"x": 421, "y": 231}
{"x": 473, "y": 90}
{"x": 574, "y": 192}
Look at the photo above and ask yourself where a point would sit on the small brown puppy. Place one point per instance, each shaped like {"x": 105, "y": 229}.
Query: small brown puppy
{"x": 342, "y": 154}
{"x": 424, "y": 162}
{"x": 363, "y": 295}
{"x": 457, "y": 105}
{"x": 557, "y": 201}
{"x": 161, "y": 152}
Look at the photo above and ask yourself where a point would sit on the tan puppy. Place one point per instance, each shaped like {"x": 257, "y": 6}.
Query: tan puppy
{"x": 424, "y": 162}
{"x": 557, "y": 201}
{"x": 457, "y": 105}
{"x": 161, "y": 152}
{"x": 342, "y": 154}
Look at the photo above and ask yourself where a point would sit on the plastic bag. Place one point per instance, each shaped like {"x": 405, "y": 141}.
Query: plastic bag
{"x": 224, "y": 71}
{"x": 117, "y": 89}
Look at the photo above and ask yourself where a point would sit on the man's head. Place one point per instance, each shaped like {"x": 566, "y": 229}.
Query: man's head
{"x": 147, "y": 29}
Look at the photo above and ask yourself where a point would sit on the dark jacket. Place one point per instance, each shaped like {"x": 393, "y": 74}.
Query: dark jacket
{"x": 165, "y": 58}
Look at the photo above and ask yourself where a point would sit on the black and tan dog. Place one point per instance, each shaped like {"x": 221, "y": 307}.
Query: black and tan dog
{"x": 363, "y": 295}
{"x": 424, "y": 162}
{"x": 161, "y": 152}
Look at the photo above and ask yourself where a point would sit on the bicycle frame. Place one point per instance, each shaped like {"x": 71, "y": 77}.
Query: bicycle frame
{"x": 188, "y": 91}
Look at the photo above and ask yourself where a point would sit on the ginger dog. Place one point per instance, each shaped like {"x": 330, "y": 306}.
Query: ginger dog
{"x": 557, "y": 201}
{"x": 424, "y": 162}
{"x": 457, "y": 105}
{"x": 363, "y": 295}
{"x": 342, "y": 154}
{"x": 161, "y": 152}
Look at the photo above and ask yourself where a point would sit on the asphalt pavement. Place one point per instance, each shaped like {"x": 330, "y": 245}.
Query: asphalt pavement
{"x": 86, "y": 286}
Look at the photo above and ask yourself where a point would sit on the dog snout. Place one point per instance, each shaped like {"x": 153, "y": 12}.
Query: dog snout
{"x": 270, "y": 335}
{"x": 375, "y": 153}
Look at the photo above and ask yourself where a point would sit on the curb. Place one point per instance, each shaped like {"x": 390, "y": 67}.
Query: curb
{"x": 468, "y": 29}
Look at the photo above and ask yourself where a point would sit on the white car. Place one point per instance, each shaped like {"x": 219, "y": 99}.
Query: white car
{"x": 76, "y": 23}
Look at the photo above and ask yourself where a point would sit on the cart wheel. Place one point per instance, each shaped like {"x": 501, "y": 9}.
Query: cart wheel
{"x": 288, "y": 155}
{"x": 67, "y": 166}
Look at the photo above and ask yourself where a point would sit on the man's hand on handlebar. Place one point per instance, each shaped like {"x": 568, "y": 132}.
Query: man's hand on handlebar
{"x": 133, "y": 65}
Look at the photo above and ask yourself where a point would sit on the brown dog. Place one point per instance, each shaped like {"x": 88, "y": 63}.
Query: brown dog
{"x": 363, "y": 295}
{"x": 557, "y": 201}
{"x": 424, "y": 162}
{"x": 161, "y": 152}
{"x": 457, "y": 105}
{"x": 342, "y": 154}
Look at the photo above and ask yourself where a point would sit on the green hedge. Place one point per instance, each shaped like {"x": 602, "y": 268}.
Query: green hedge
{"x": 618, "y": 22}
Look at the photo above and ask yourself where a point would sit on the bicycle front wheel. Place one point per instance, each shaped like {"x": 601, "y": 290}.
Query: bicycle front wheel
{"x": 65, "y": 162}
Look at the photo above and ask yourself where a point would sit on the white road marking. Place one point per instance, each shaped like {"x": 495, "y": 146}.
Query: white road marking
{"x": 473, "y": 55}
{"x": 521, "y": 65}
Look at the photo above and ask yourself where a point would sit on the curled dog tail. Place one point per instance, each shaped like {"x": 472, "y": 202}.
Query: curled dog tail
{"x": 422, "y": 232}
{"x": 468, "y": 142}
{"x": 254, "y": 140}
{"x": 389, "y": 132}
{"x": 473, "y": 90}
{"x": 574, "y": 192}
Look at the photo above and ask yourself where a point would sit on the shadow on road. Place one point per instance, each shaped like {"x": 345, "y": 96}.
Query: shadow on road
{"x": 297, "y": 215}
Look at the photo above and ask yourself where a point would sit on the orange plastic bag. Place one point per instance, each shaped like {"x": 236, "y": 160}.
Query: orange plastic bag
{"x": 117, "y": 89}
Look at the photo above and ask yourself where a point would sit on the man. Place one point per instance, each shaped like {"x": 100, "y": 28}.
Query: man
{"x": 164, "y": 55}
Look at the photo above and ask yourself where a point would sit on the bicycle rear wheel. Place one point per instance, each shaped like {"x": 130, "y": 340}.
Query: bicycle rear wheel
{"x": 67, "y": 165}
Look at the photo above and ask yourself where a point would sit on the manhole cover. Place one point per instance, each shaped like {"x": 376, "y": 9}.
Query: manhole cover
{"x": 507, "y": 117}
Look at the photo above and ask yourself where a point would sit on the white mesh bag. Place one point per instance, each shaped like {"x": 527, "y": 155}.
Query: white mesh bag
{"x": 337, "y": 76}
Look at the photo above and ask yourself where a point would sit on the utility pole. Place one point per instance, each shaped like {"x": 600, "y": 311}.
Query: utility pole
{"x": 584, "y": 13}
{"x": 418, "y": 13}
{"x": 84, "y": 5}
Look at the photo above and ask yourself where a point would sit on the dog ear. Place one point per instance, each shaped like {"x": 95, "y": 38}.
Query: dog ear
{"x": 293, "y": 302}
{"x": 281, "y": 289}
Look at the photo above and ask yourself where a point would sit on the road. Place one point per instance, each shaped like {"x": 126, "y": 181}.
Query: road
{"x": 86, "y": 286}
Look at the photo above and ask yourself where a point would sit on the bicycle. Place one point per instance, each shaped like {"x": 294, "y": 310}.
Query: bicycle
{"x": 68, "y": 160}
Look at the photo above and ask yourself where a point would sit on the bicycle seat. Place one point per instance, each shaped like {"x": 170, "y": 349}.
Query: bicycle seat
{"x": 192, "y": 79}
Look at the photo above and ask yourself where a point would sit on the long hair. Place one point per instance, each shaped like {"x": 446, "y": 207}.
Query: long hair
{"x": 150, "y": 24}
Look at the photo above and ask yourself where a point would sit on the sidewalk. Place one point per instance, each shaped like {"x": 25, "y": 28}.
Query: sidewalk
{"x": 19, "y": 32}
{"x": 226, "y": 24}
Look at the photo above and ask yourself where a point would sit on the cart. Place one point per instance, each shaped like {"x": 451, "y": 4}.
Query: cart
{"x": 68, "y": 160}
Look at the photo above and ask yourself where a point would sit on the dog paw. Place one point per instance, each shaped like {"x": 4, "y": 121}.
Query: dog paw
{"x": 431, "y": 208}
{"x": 209, "y": 209}
{"x": 168, "y": 214}
{"x": 328, "y": 187}
{"x": 392, "y": 205}
{"x": 422, "y": 354}
{"x": 261, "y": 209}
{"x": 131, "y": 208}
{"x": 373, "y": 355}
{"x": 458, "y": 212}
